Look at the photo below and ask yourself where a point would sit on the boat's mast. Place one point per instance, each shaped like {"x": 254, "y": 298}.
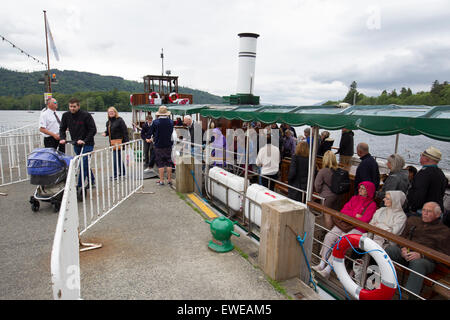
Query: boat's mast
{"x": 162, "y": 62}
{"x": 49, "y": 86}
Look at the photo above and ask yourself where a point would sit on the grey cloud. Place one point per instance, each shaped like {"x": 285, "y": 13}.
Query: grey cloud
{"x": 425, "y": 64}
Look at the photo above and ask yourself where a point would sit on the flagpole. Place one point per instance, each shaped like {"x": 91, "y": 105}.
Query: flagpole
{"x": 49, "y": 86}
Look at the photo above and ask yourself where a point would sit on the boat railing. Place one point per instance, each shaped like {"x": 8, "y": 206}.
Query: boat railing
{"x": 228, "y": 163}
{"x": 113, "y": 174}
{"x": 430, "y": 253}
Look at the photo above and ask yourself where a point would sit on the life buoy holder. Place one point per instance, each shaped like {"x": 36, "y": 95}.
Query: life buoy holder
{"x": 171, "y": 97}
{"x": 182, "y": 101}
{"x": 151, "y": 96}
{"x": 388, "y": 276}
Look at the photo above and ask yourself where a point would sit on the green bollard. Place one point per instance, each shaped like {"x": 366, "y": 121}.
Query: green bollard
{"x": 222, "y": 229}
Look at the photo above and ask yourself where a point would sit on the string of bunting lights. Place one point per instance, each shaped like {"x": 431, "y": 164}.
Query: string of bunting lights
{"x": 22, "y": 51}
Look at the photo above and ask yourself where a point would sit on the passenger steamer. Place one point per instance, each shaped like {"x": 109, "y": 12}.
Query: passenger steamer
{"x": 234, "y": 190}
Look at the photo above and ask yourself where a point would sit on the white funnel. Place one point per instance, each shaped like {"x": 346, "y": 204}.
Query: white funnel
{"x": 247, "y": 59}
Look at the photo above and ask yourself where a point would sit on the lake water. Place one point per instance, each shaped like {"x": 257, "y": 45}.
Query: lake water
{"x": 382, "y": 146}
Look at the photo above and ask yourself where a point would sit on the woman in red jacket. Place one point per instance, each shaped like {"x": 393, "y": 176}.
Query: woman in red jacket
{"x": 361, "y": 207}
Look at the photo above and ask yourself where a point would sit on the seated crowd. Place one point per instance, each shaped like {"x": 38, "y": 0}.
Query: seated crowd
{"x": 408, "y": 203}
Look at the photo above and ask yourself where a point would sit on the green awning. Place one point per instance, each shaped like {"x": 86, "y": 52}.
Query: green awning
{"x": 431, "y": 121}
{"x": 178, "y": 109}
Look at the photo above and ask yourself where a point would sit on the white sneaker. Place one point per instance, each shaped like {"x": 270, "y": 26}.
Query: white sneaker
{"x": 317, "y": 268}
{"x": 325, "y": 273}
{"x": 147, "y": 170}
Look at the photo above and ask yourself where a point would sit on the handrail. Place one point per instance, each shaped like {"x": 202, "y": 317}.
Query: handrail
{"x": 426, "y": 251}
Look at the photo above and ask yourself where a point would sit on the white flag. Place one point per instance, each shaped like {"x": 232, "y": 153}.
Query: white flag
{"x": 52, "y": 43}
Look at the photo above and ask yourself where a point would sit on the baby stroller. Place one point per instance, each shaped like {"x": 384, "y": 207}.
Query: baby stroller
{"x": 48, "y": 169}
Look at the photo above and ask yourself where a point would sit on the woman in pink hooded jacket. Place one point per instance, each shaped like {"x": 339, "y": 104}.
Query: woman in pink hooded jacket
{"x": 361, "y": 207}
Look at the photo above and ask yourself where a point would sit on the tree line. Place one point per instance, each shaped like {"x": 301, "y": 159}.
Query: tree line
{"x": 21, "y": 90}
{"x": 438, "y": 95}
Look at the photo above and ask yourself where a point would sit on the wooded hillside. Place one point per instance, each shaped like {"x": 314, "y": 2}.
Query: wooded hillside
{"x": 21, "y": 90}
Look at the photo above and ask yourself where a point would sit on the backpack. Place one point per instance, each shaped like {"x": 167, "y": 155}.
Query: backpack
{"x": 340, "y": 181}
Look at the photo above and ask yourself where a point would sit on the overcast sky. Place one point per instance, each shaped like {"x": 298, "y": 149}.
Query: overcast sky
{"x": 307, "y": 52}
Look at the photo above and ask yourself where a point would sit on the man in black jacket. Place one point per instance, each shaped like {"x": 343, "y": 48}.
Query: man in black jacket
{"x": 82, "y": 129}
{"x": 368, "y": 167}
{"x": 346, "y": 147}
{"x": 428, "y": 184}
{"x": 149, "y": 162}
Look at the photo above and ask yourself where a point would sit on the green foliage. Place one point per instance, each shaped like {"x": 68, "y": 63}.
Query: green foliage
{"x": 21, "y": 91}
{"x": 352, "y": 93}
{"x": 439, "y": 95}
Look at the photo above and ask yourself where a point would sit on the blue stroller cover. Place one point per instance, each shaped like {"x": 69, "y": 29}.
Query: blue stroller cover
{"x": 47, "y": 161}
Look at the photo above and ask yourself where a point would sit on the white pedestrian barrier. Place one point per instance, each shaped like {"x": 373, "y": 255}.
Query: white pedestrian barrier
{"x": 65, "y": 260}
{"x": 116, "y": 175}
{"x": 15, "y": 145}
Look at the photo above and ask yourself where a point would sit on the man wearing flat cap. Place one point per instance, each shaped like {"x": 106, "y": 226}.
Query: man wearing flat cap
{"x": 428, "y": 184}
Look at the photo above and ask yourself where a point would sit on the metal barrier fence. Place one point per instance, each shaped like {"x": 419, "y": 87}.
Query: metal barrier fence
{"x": 113, "y": 182}
{"x": 14, "y": 149}
{"x": 7, "y": 129}
{"x": 15, "y": 146}
{"x": 82, "y": 207}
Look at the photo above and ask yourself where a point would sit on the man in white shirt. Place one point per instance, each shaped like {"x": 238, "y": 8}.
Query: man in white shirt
{"x": 49, "y": 122}
{"x": 269, "y": 160}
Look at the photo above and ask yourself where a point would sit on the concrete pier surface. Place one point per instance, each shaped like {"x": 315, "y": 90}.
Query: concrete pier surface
{"x": 154, "y": 247}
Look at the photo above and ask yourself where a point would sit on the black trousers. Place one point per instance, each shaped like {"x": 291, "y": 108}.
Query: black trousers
{"x": 265, "y": 181}
{"x": 50, "y": 142}
{"x": 149, "y": 149}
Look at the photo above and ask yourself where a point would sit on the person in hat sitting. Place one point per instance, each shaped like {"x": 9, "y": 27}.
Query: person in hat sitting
{"x": 428, "y": 184}
{"x": 161, "y": 130}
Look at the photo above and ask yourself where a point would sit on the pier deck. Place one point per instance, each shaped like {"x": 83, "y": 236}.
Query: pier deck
{"x": 154, "y": 247}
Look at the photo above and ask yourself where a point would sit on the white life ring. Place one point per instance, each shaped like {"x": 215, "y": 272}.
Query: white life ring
{"x": 388, "y": 276}
{"x": 154, "y": 93}
{"x": 131, "y": 99}
{"x": 172, "y": 99}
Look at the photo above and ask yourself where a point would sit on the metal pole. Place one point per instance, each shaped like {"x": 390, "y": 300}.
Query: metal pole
{"x": 396, "y": 142}
{"x": 312, "y": 162}
{"x": 49, "y": 85}
{"x": 247, "y": 145}
{"x": 162, "y": 64}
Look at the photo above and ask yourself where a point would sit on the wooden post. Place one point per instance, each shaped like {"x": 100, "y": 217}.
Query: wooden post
{"x": 280, "y": 254}
{"x": 184, "y": 179}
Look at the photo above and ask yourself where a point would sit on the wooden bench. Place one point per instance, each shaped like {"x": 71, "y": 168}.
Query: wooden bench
{"x": 440, "y": 274}
{"x": 284, "y": 172}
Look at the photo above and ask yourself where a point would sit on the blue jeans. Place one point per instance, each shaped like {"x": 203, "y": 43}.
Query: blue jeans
{"x": 118, "y": 154}
{"x": 86, "y": 149}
